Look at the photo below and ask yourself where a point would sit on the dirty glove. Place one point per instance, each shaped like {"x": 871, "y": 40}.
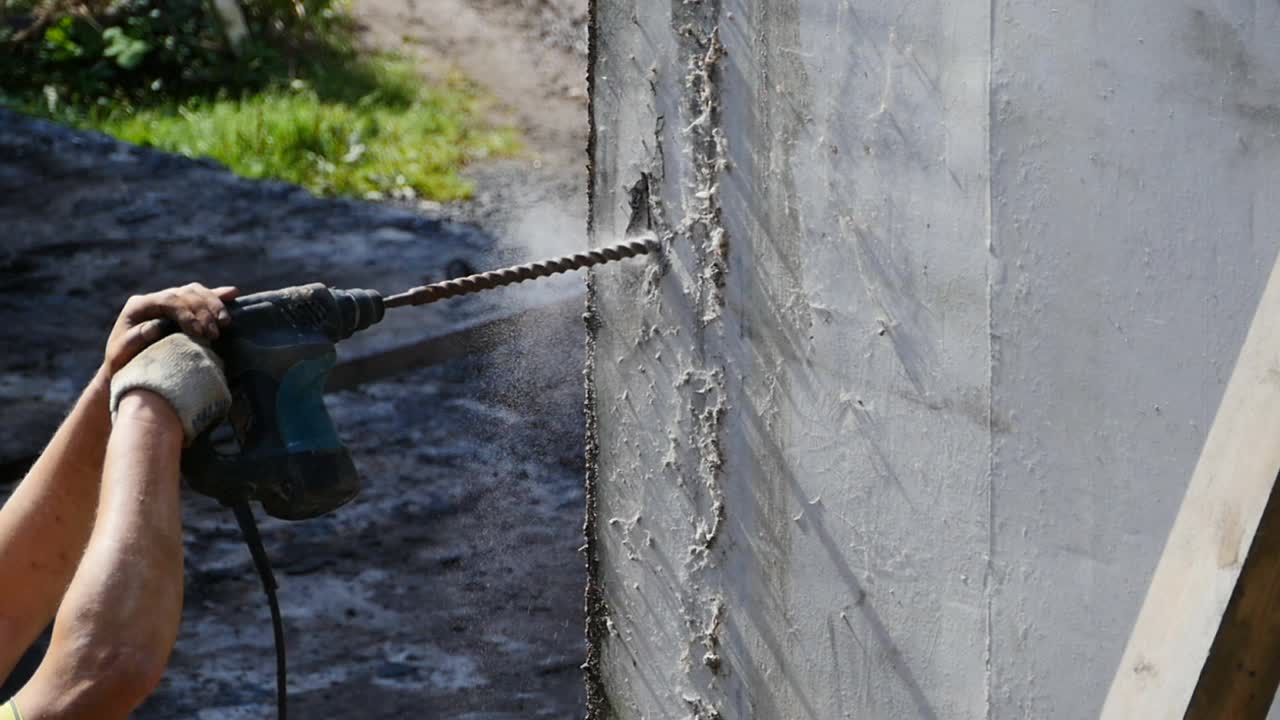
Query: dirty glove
{"x": 185, "y": 373}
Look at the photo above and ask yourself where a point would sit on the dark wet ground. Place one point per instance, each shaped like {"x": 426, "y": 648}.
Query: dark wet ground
{"x": 452, "y": 587}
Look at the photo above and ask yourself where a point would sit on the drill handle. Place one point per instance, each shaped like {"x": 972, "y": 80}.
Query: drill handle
{"x": 290, "y": 458}
{"x": 224, "y": 477}
{"x": 278, "y": 352}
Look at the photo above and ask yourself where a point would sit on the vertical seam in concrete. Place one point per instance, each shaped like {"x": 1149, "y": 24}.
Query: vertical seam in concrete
{"x": 988, "y": 571}
{"x": 597, "y": 622}
{"x": 592, "y": 56}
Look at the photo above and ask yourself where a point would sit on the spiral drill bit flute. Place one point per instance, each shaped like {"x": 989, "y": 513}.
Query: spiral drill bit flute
{"x": 520, "y": 273}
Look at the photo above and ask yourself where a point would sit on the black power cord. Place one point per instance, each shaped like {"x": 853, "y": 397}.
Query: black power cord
{"x": 252, "y": 538}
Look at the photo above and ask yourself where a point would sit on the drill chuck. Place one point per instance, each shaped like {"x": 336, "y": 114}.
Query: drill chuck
{"x": 359, "y": 309}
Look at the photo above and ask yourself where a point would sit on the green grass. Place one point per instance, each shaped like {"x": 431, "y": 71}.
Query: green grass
{"x": 369, "y": 128}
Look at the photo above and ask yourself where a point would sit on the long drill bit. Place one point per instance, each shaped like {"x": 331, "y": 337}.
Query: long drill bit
{"x": 520, "y": 273}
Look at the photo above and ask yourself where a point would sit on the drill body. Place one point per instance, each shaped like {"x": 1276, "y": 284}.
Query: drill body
{"x": 278, "y": 353}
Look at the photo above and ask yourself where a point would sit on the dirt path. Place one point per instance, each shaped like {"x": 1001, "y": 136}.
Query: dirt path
{"x": 530, "y": 55}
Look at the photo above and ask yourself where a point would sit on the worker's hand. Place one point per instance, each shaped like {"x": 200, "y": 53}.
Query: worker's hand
{"x": 197, "y": 310}
{"x": 183, "y": 371}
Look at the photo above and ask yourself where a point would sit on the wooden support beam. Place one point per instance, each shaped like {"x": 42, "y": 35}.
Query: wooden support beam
{"x": 1207, "y": 640}
{"x": 1240, "y": 677}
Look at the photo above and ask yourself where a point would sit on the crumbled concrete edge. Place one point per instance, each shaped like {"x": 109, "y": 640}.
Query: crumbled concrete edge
{"x": 701, "y": 52}
{"x": 704, "y": 387}
{"x": 596, "y": 611}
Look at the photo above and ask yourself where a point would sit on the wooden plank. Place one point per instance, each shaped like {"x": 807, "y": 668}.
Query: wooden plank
{"x": 1208, "y": 626}
{"x": 1240, "y": 677}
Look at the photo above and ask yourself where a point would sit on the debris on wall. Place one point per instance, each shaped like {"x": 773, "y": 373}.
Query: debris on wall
{"x": 705, "y": 140}
{"x": 672, "y": 189}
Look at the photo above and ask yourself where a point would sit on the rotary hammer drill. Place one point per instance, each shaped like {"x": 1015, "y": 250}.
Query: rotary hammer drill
{"x": 278, "y": 353}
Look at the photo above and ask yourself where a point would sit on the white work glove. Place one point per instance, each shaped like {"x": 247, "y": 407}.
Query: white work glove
{"x": 185, "y": 373}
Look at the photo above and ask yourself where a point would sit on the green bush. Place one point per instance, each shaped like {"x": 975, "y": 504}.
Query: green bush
{"x": 295, "y": 103}
{"x": 131, "y": 50}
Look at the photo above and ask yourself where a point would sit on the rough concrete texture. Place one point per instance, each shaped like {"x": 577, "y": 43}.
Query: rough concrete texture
{"x": 951, "y": 294}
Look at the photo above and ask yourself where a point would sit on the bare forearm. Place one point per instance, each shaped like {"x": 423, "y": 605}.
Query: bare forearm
{"x": 120, "y": 615}
{"x": 117, "y": 568}
{"x": 134, "y": 556}
{"x": 45, "y": 524}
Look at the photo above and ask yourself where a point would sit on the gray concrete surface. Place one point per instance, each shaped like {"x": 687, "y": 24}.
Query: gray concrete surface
{"x": 952, "y": 292}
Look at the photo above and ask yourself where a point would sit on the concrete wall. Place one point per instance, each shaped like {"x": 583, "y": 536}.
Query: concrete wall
{"x": 951, "y": 294}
